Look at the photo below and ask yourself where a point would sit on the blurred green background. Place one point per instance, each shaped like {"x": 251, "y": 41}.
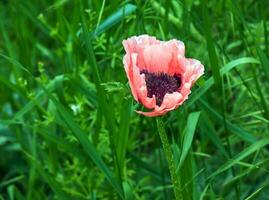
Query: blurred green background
{"x": 68, "y": 127}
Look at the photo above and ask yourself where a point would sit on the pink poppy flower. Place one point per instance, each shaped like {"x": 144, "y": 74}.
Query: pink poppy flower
{"x": 159, "y": 75}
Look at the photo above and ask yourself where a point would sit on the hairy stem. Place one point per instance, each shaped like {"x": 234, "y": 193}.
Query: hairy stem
{"x": 170, "y": 159}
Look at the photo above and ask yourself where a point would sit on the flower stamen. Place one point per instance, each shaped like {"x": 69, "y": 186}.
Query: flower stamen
{"x": 159, "y": 84}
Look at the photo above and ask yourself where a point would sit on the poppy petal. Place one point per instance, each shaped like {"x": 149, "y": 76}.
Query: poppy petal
{"x": 170, "y": 101}
{"x": 157, "y": 58}
{"x": 152, "y": 113}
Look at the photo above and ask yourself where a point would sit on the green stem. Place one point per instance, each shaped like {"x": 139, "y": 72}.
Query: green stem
{"x": 170, "y": 159}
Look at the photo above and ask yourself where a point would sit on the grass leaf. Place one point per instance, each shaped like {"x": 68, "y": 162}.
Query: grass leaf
{"x": 188, "y": 137}
{"x": 86, "y": 144}
{"x": 242, "y": 155}
{"x": 225, "y": 69}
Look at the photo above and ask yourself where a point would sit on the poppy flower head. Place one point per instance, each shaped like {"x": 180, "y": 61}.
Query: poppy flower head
{"x": 159, "y": 75}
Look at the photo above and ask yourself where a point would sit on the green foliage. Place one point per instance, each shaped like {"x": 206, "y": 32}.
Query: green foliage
{"x": 68, "y": 126}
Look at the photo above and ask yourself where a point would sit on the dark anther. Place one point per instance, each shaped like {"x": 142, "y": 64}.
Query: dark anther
{"x": 159, "y": 84}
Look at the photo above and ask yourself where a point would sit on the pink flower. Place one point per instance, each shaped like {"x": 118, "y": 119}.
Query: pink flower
{"x": 159, "y": 75}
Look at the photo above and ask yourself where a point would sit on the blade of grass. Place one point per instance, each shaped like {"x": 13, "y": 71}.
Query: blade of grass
{"x": 243, "y": 154}
{"x": 32, "y": 103}
{"x": 115, "y": 18}
{"x": 8, "y": 44}
{"x": 188, "y": 137}
{"x": 100, "y": 16}
{"x": 149, "y": 168}
{"x": 208, "y": 128}
{"x": 204, "y": 192}
{"x": 211, "y": 47}
{"x": 30, "y": 12}
{"x": 233, "y": 128}
{"x": 110, "y": 119}
{"x": 63, "y": 145}
{"x": 50, "y": 181}
{"x": 254, "y": 194}
{"x": 106, "y": 109}
{"x": 121, "y": 138}
{"x": 17, "y": 194}
{"x": 86, "y": 144}
{"x": 16, "y": 64}
{"x": 111, "y": 21}
{"x": 10, "y": 85}
{"x": 225, "y": 69}
{"x": 262, "y": 56}
{"x": 11, "y": 181}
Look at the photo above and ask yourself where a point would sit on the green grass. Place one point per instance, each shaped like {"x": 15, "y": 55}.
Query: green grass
{"x": 68, "y": 126}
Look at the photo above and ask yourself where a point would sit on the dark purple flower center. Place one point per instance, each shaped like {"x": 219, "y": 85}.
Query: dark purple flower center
{"x": 159, "y": 84}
